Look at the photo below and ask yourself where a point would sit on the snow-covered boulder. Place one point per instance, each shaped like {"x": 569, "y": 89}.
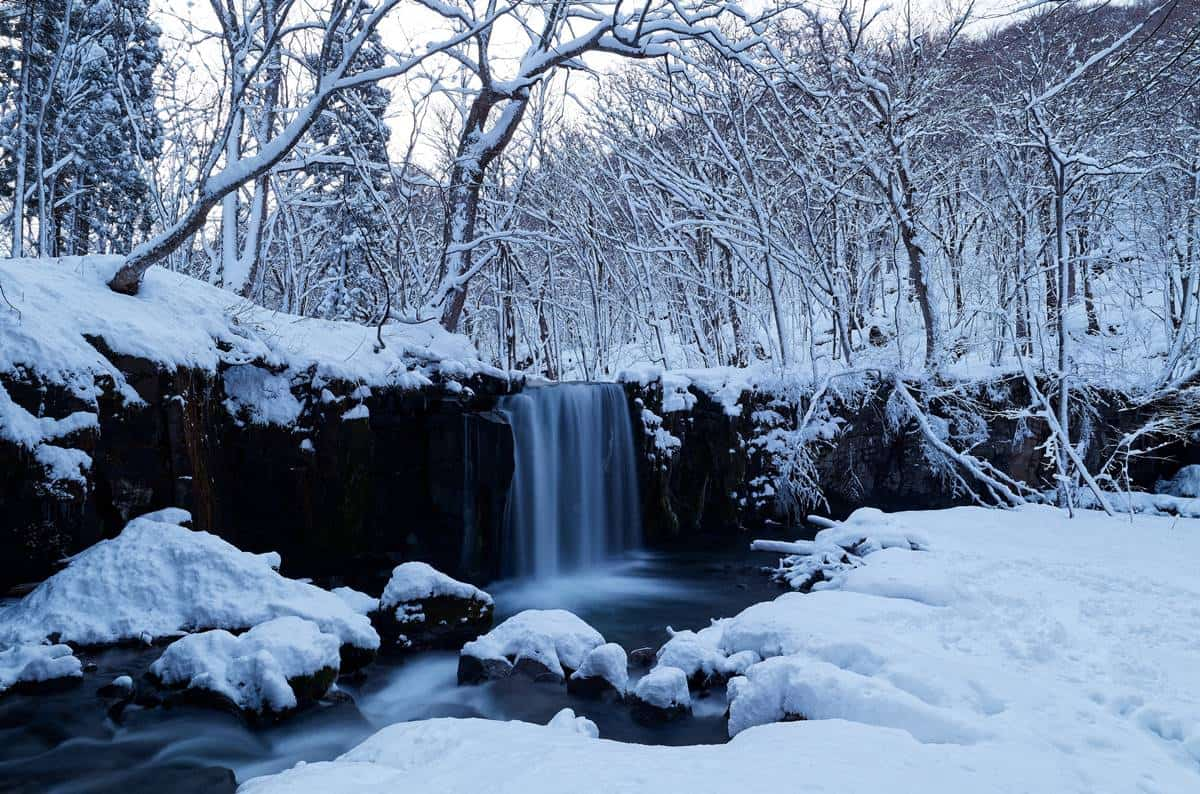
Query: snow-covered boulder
{"x": 1185, "y": 483}
{"x": 543, "y": 644}
{"x": 158, "y": 579}
{"x": 274, "y": 668}
{"x": 422, "y": 607}
{"x": 358, "y": 601}
{"x": 698, "y": 655}
{"x": 36, "y": 667}
{"x": 604, "y": 673}
{"x": 661, "y": 695}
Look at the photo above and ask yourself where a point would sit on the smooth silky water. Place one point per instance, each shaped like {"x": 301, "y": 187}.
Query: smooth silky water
{"x": 572, "y": 536}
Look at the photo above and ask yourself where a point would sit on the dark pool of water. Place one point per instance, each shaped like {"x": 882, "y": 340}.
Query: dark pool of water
{"x": 68, "y": 742}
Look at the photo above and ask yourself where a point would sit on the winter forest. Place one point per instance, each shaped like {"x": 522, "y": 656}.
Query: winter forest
{"x": 450, "y": 395}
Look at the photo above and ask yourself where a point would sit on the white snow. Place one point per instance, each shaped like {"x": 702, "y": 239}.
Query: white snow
{"x": 664, "y": 687}
{"x": 58, "y": 302}
{"x": 567, "y": 722}
{"x": 556, "y": 638}
{"x": 697, "y": 654}
{"x": 1185, "y": 483}
{"x": 252, "y": 669}
{"x": 358, "y": 601}
{"x": 265, "y": 396}
{"x": 1063, "y": 661}
{"x": 157, "y": 579}
{"x": 607, "y": 661}
{"x": 32, "y": 664}
{"x": 415, "y": 581}
{"x": 359, "y": 411}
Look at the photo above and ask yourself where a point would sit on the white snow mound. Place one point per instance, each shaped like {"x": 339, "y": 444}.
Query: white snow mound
{"x": 567, "y": 722}
{"x": 609, "y": 662}
{"x": 158, "y": 579}
{"x": 664, "y": 687}
{"x": 556, "y": 638}
{"x": 252, "y": 670}
{"x": 415, "y": 581}
{"x": 37, "y": 664}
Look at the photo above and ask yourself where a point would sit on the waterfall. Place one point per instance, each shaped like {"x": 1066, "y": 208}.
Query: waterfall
{"x": 573, "y": 501}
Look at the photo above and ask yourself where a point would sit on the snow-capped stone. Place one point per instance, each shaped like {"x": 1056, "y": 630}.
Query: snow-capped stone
{"x": 541, "y": 643}
{"x": 567, "y": 722}
{"x": 158, "y": 579}
{"x": 1185, "y": 483}
{"x": 37, "y": 666}
{"x": 604, "y": 670}
{"x": 357, "y": 600}
{"x": 274, "y": 667}
{"x": 697, "y": 654}
{"x": 422, "y": 607}
{"x": 661, "y": 694}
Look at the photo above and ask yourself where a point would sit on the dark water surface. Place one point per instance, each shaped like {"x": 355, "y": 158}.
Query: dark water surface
{"x": 68, "y": 742}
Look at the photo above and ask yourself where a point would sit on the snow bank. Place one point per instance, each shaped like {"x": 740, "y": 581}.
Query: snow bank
{"x": 37, "y": 664}
{"x": 60, "y": 303}
{"x": 1185, "y": 483}
{"x": 415, "y": 581}
{"x": 256, "y": 670}
{"x": 158, "y": 579}
{"x": 553, "y": 639}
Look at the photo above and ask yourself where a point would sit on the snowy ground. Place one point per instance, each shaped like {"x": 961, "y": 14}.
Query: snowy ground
{"x": 1022, "y": 652}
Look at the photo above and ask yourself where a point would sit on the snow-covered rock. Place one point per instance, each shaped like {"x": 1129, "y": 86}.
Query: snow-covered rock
{"x": 699, "y": 656}
{"x": 32, "y": 667}
{"x": 273, "y": 668}
{"x": 422, "y": 607}
{"x": 544, "y": 644}
{"x": 568, "y": 723}
{"x": 604, "y": 670}
{"x": 158, "y": 579}
{"x": 660, "y": 695}
{"x": 1185, "y": 483}
{"x": 357, "y": 600}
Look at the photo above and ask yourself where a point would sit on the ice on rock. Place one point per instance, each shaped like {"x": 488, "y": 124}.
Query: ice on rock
{"x": 539, "y": 642}
{"x": 35, "y": 665}
{"x": 605, "y": 667}
{"x": 567, "y": 722}
{"x": 158, "y": 579}
{"x": 258, "y": 671}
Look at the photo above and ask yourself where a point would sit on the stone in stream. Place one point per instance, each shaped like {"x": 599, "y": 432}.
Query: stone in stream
{"x": 661, "y": 696}
{"x": 542, "y": 644}
{"x": 422, "y": 607}
{"x": 604, "y": 674}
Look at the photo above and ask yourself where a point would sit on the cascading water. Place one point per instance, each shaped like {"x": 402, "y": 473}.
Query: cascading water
{"x": 573, "y": 501}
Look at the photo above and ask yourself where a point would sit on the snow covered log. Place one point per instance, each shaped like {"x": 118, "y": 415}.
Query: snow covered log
{"x": 422, "y": 607}
{"x": 542, "y": 644}
{"x": 33, "y": 668}
{"x": 271, "y": 670}
{"x": 157, "y": 580}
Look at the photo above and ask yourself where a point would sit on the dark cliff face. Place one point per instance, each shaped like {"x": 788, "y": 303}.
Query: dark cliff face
{"x": 715, "y": 481}
{"x": 420, "y": 474}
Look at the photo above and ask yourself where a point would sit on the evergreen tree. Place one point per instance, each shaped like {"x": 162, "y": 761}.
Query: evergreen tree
{"x": 80, "y": 123}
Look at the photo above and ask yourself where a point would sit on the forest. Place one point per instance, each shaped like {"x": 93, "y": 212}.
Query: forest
{"x": 601, "y": 395}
